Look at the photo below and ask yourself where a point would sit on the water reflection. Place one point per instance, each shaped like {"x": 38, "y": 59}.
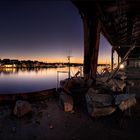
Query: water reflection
{"x": 16, "y": 70}
{"x": 23, "y": 80}
{"x": 8, "y": 70}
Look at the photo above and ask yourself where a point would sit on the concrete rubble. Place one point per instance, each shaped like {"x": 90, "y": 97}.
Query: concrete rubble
{"x": 99, "y": 104}
{"x": 125, "y": 104}
{"x": 68, "y": 85}
{"x": 66, "y": 102}
{"x": 97, "y": 111}
{"x": 22, "y": 108}
{"x": 109, "y": 94}
{"x": 117, "y": 83}
{"x": 103, "y": 97}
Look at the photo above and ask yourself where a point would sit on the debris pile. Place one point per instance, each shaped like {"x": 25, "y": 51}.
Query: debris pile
{"x": 109, "y": 94}
{"x": 102, "y": 97}
{"x": 116, "y": 83}
{"x": 71, "y": 87}
{"x": 99, "y": 104}
{"x": 71, "y": 84}
{"x": 125, "y": 101}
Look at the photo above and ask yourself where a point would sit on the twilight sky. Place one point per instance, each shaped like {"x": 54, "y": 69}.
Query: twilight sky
{"x": 43, "y": 31}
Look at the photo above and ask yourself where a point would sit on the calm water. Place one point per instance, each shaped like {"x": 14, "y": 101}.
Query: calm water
{"x": 23, "y": 80}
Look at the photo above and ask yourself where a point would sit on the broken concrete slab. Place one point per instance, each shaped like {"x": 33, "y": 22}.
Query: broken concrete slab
{"x": 100, "y": 111}
{"x": 122, "y": 97}
{"x": 94, "y": 96}
{"x": 99, "y": 104}
{"x": 104, "y": 104}
{"x": 124, "y": 105}
{"x": 21, "y": 108}
{"x": 116, "y": 85}
{"x": 66, "y": 102}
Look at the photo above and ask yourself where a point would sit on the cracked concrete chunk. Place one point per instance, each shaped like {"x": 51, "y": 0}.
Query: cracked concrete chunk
{"x": 21, "y": 108}
{"x": 66, "y": 101}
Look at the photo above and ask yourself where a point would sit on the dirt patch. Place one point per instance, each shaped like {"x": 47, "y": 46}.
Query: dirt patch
{"x": 49, "y": 121}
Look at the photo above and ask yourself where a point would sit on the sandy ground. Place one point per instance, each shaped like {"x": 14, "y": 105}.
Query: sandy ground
{"x": 49, "y": 122}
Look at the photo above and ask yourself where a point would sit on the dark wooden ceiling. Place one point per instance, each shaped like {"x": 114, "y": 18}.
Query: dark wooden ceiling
{"x": 120, "y": 22}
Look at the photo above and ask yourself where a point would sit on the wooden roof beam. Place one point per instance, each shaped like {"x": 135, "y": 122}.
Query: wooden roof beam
{"x": 115, "y": 7}
{"x": 103, "y": 29}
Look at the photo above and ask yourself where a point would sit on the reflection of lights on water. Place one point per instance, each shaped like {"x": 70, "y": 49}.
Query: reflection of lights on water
{"x": 13, "y": 70}
{"x": 122, "y": 66}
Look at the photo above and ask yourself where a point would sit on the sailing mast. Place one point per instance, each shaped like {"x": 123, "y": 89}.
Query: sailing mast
{"x": 69, "y": 57}
{"x": 69, "y": 65}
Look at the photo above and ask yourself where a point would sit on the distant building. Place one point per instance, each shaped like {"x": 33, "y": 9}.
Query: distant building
{"x": 6, "y": 61}
{"x": 14, "y": 61}
{"x": 9, "y": 66}
{"x": 36, "y": 64}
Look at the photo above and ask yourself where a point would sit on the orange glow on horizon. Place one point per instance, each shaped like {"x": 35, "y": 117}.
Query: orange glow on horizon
{"x": 101, "y": 60}
{"x": 63, "y": 60}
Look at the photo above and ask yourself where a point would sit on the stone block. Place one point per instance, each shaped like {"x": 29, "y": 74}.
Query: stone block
{"x": 66, "y": 102}
{"x": 21, "y": 108}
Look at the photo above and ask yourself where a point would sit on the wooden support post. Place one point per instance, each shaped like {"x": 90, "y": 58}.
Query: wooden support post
{"x": 86, "y": 49}
{"x": 118, "y": 59}
{"x": 122, "y": 60}
{"x": 112, "y": 59}
{"x": 91, "y": 44}
{"x": 94, "y": 42}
